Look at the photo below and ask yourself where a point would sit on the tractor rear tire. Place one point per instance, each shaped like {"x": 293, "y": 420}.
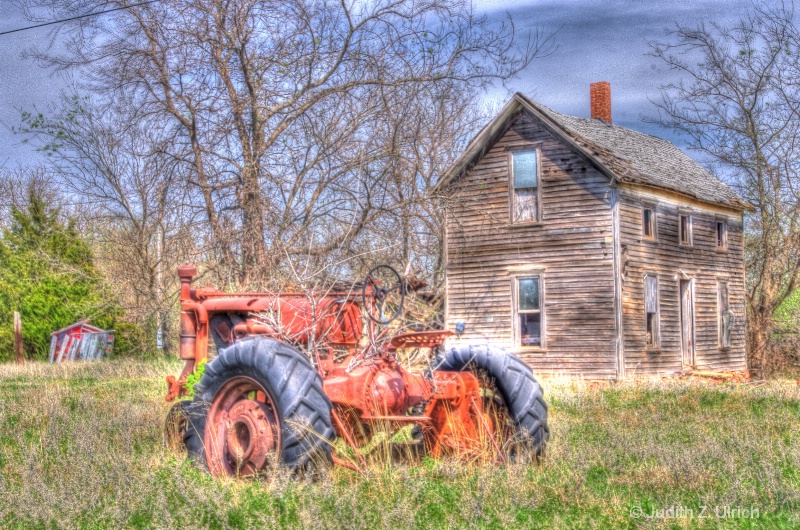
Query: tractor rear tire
{"x": 302, "y": 414}
{"x": 522, "y": 394}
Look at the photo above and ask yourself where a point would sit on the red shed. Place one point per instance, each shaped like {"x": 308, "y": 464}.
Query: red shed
{"x": 80, "y": 341}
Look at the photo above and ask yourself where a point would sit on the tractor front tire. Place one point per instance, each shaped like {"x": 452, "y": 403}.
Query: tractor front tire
{"x": 260, "y": 400}
{"x": 175, "y": 426}
{"x": 522, "y": 394}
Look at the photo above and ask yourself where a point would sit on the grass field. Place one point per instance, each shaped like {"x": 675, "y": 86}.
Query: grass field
{"x": 81, "y": 447}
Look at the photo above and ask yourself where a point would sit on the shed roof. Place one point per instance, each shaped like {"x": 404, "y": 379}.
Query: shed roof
{"x": 83, "y": 324}
{"x": 624, "y": 155}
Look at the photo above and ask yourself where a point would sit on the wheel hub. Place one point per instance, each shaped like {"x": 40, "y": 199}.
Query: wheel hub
{"x": 250, "y": 437}
{"x": 243, "y": 429}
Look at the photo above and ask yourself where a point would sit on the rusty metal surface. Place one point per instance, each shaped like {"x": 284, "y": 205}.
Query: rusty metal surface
{"x": 242, "y": 429}
{"x": 421, "y": 339}
{"x": 366, "y": 385}
{"x": 176, "y": 387}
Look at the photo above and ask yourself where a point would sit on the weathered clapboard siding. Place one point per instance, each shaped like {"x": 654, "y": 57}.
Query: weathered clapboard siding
{"x": 666, "y": 257}
{"x": 594, "y": 179}
{"x": 571, "y": 249}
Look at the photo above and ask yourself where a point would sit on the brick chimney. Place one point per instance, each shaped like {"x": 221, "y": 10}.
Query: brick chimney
{"x": 601, "y": 100}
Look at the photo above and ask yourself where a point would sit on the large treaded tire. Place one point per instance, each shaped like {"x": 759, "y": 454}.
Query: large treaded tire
{"x": 304, "y": 411}
{"x": 196, "y": 413}
{"x": 514, "y": 379}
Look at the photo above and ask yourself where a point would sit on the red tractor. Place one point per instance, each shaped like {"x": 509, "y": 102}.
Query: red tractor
{"x": 296, "y": 370}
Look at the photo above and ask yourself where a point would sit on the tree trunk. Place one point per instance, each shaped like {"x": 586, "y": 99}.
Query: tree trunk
{"x": 254, "y": 249}
{"x": 758, "y": 335}
{"x": 18, "y": 338}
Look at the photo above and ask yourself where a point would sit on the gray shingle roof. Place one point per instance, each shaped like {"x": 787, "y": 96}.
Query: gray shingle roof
{"x": 630, "y": 156}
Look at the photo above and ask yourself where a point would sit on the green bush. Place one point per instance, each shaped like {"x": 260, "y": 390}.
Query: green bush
{"x": 787, "y": 316}
{"x": 133, "y": 339}
{"x": 47, "y": 273}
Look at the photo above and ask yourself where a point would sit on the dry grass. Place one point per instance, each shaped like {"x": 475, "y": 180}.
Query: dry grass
{"x": 81, "y": 447}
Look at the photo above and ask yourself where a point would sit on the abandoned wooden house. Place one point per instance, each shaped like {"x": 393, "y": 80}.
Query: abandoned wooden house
{"x": 591, "y": 249}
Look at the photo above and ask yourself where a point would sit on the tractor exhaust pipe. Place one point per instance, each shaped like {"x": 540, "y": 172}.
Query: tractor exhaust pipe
{"x": 188, "y": 344}
{"x": 188, "y": 347}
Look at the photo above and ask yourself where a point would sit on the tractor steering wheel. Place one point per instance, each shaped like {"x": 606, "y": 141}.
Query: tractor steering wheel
{"x": 383, "y": 293}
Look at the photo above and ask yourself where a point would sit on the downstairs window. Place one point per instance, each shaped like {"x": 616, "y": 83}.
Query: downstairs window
{"x": 651, "y": 311}
{"x": 528, "y": 312}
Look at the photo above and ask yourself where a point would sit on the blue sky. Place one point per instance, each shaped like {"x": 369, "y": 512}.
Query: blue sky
{"x": 598, "y": 40}
{"x": 606, "y": 40}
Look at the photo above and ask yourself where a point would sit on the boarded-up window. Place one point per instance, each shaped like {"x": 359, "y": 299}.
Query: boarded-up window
{"x": 525, "y": 187}
{"x": 648, "y": 223}
{"x": 722, "y": 235}
{"x": 685, "y": 229}
{"x": 528, "y": 311}
{"x": 651, "y": 310}
{"x": 726, "y": 316}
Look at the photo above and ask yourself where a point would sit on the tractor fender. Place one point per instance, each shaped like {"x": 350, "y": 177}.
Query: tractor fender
{"x": 522, "y": 393}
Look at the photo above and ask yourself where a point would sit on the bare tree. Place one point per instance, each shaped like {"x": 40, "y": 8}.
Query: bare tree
{"x": 272, "y": 106}
{"x": 421, "y": 134}
{"x": 739, "y": 104}
{"x": 124, "y": 190}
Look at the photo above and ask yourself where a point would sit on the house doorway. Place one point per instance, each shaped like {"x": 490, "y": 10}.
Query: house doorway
{"x": 687, "y": 321}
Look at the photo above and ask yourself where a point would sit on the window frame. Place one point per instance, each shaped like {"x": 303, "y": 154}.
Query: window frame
{"x": 511, "y": 190}
{"x": 656, "y": 345}
{"x": 689, "y": 242}
{"x": 724, "y": 225}
{"x": 653, "y": 224}
{"x": 515, "y": 312}
{"x": 722, "y": 282}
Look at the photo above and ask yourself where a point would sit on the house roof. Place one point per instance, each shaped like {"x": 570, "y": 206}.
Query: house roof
{"x": 624, "y": 155}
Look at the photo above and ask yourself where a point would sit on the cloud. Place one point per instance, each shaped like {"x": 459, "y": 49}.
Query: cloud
{"x": 597, "y": 40}
{"x": 605, "y": 41}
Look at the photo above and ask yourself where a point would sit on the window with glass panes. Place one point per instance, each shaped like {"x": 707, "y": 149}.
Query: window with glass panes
{"x": 726, "y": 316}
{"x": 685, "y": 229}
{"x": 651, "y": 311}
{"x": 648, "y": 223}
{"x": 722, "y": 235}
{"x": 528, "y": 312}
{"x": 524, "y": 187}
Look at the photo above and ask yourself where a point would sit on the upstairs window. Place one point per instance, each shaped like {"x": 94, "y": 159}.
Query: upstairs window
{"x": 722, "y": 235}
{"x": 524, "y": 187}
{"x": 649, "y": 224}
{"x": 685, "y": 229}
{"x": 651, "y": 311}
{"x": 528, "y": 312}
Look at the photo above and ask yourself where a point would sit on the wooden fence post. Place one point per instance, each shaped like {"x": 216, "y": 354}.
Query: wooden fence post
{"x": 18, "y": 338}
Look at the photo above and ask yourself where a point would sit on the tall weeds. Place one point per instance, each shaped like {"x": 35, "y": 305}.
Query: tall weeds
{"x": 81, "y": 447}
